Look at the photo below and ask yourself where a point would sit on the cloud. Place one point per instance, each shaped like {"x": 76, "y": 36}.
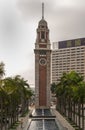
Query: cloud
{"x": 11, "y": 27}
{"x": 65, "y": 18}
{"x": 29, "y": 9}
{"x": 28, "y": 75}
{"x": 18, "y": 23}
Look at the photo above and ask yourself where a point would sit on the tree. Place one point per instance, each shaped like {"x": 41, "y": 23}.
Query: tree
{"x": 15, "y": 91}
{"x": 2, "y": 71}
{"x": 70, "y": 92}
{"x": 53, "y": 87}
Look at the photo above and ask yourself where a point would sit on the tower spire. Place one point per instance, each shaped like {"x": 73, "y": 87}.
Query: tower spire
{"x": 42, "y": 10}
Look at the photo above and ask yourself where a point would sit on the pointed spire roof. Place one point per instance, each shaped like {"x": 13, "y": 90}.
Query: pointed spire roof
{"x": 42, "y": 22}
{"x": 42, "y": 10}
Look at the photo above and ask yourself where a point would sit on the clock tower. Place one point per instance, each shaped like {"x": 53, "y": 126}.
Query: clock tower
{"x": 42, "y": 64}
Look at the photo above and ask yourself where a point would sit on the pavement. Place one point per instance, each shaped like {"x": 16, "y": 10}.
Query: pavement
{"x": 25, "y": 121}
{"x": 60, "y": 120}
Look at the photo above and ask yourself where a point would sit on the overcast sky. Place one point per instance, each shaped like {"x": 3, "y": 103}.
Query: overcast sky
{"x": 18, "y": 22}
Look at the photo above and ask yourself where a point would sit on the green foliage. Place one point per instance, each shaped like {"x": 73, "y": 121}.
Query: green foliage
{"x": 53, "y": 87}
{"x": 70, "y": 93}
{"x": 71, "y": 85}
{"x": 14, "y": 92}
{"x": 2, "y": 71}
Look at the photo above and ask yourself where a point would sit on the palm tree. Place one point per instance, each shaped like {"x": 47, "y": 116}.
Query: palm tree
{"x": 1, "y": 92}
{"x": 21, "y": 85}
{"x": 53, "y": 88}
{"x": 29, "y": 94}
{"x": 1, "y": 107}
{"x": 14, "y": 91}
{"x": 24, "y": 91}
{"x": 10, "y": 105}
{"x": 2, "y": 71}
{"x": 70, "y": 92}
{"x": 81, "y": 99}
{"x": 4, "y": 103}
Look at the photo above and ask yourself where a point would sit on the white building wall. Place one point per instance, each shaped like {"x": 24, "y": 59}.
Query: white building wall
{"x": 67, "y": 59}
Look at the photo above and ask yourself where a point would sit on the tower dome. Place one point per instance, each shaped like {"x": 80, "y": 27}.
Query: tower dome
{"x": 42, "y": 22}
{"x": 42, "y": 30}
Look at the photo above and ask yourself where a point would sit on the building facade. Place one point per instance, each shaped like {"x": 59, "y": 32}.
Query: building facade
{"x": 42, "y": 65}
{"x": 70, "y": 55}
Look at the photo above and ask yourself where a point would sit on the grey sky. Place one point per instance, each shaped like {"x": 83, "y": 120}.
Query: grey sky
{"x": 18, "y": 22}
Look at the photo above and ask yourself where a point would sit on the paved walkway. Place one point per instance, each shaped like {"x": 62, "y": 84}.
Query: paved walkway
{"x": 62, "y": 122}
{"x": 25, "y": 121}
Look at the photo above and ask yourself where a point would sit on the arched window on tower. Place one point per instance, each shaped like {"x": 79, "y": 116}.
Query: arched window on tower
{"x": 42, "y": 35}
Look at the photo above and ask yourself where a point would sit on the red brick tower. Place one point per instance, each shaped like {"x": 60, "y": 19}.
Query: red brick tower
{"x": 42, "y": 65}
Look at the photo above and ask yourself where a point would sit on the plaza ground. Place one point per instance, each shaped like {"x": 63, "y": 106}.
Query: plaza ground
{"x": 25, "y": 121}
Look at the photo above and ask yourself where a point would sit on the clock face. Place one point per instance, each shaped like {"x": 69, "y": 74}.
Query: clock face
{"x": 42, "y": 61}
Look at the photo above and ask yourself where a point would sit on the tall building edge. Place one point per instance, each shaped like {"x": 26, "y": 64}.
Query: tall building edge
{"x": 68, "y": 55}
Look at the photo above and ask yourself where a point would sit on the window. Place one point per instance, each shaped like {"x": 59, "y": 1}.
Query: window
{"x": 77, "y": 42}
{"x": 69, "y": 43}
{"x": 42, "y": 35}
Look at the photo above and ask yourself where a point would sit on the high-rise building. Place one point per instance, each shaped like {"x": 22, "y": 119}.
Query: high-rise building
{"x": 70, "y": 55}
{"x": 42, "y": 64}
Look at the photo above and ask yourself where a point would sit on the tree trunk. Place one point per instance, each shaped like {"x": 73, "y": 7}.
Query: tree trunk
{"x": 5, "y": 117}
{"x": 74, "y": 112}
{"x": 1, "y": 103}
{"x": 83, "y": 125}
{"x": 76, "y": 107}
{"x": 79, "y": 114}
